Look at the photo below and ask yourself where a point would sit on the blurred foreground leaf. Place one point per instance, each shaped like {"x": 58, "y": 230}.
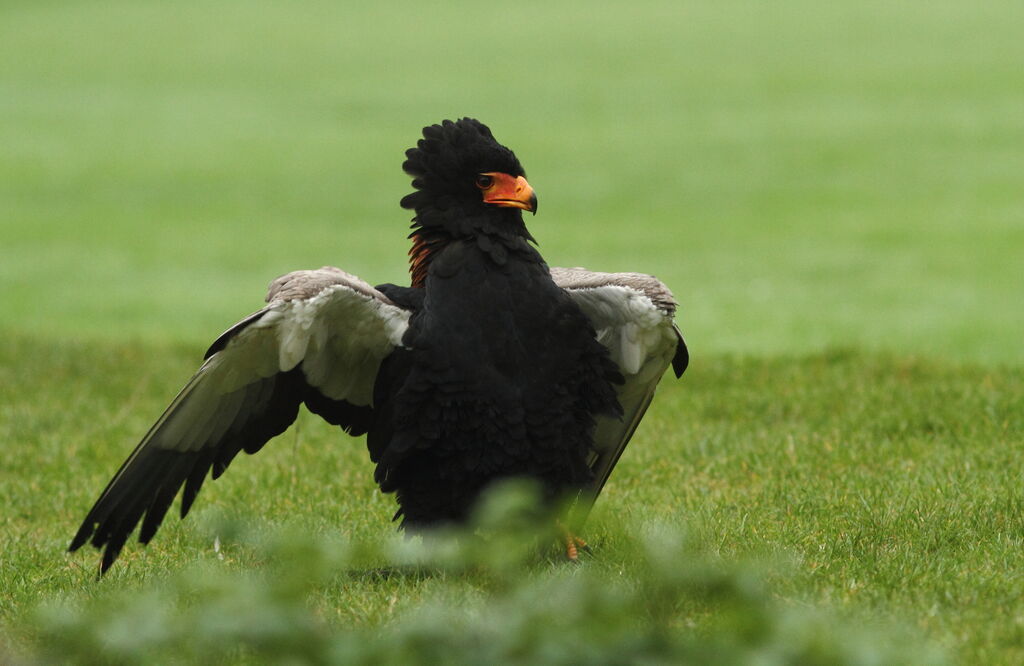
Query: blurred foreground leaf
{"x": 669, "y": 602}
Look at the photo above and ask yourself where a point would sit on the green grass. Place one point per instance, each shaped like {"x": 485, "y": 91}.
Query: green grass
{"x": 808, "y": 177}
{"x": 890, "y": 485}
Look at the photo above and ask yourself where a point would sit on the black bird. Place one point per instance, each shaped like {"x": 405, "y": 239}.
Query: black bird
{"x": 489, "y": 366}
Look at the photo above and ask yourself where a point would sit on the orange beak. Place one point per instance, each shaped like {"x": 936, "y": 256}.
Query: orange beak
{"x": 510, "y": 192}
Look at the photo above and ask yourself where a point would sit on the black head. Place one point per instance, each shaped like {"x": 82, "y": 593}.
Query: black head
{"x": 459, "y": 169}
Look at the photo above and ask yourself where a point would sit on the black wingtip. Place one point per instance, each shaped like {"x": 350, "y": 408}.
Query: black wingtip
{"x": 681, "y": 360}
{"x": 81, "y": 536}
{"x": 108, "y": 559}
{"x": 112, "y": 550}
{"x": 224, "y": 338}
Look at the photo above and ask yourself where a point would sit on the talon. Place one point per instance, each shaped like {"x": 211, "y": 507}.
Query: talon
{"x": 573, "y": 544}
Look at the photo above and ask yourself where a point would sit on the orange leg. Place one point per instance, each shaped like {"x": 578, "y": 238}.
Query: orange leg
{"x": 573, "y": 544}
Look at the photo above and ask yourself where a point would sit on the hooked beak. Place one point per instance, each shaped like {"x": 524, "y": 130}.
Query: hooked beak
{"x": 510, "y": 192}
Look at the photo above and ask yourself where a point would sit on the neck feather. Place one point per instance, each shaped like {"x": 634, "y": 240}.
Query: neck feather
{"x": 426, "y": 241}
{"x": 432, "y": 230}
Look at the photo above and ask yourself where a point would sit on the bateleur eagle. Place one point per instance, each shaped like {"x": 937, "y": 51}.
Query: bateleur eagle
{"x": 489, "y": 366}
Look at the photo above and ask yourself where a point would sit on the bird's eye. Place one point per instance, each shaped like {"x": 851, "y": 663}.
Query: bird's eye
{"x": 484, "y": 181}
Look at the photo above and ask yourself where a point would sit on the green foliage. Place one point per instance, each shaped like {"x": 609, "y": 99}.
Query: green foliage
{"x": 671, "y": 603}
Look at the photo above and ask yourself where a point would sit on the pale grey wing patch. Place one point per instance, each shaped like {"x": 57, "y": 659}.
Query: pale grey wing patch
{"x": 338, "y": 327}
{"x": 339, "y": 336}
{"x": 653, "y": 288}
{"x": 300, "y": 285}
{"x": 343, "y": 364}
{"x": 630, "y": 325}
{"x": 632, "y": 315}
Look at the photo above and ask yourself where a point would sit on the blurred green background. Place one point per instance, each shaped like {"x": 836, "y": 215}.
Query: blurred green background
{"x": 803, "y": 174}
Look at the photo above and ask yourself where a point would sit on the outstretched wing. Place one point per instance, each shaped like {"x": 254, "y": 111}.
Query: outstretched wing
{"x": 319, "y": 340}
{"x": 633, "y": 315}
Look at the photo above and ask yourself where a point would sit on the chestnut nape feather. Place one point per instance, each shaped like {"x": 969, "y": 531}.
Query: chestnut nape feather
{"x": 424, "y": 243}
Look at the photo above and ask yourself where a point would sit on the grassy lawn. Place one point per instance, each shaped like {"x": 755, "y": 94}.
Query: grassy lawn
{"x": 887, "y": 487}
{"x": 833, "y": 190}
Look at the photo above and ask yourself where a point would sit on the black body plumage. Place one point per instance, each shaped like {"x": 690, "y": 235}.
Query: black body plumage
{"x": 503, "y": 375}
